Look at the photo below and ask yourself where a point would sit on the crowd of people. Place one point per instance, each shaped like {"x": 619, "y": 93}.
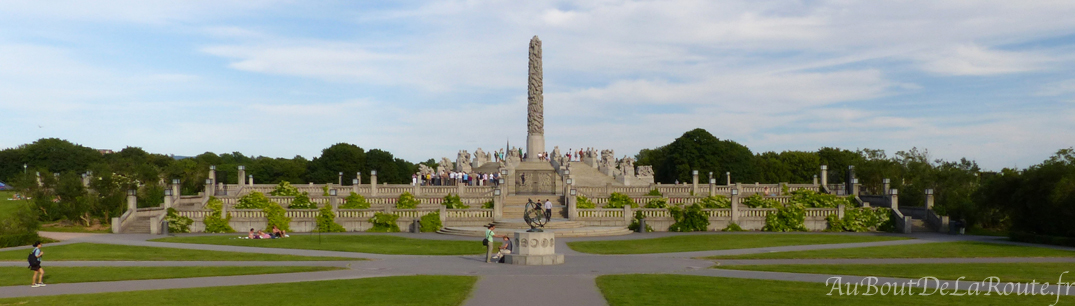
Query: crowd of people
{"x": 452, "y": 178}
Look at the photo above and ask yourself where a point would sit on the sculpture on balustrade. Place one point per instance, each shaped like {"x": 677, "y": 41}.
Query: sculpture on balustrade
{"x": 627, "y": 166}
{"x": 556, "y": 152}
{"x": 480, "y": 158}
{"x": 608, "y": 159}
{"x": 445, "y": 165}
{"x": 645, "y": 171}
{"x": 462, "y": 162}
{"x": 424, "y": 170}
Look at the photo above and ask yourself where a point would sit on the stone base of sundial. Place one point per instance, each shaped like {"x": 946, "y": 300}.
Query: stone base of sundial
{"x": 534, "y": 249}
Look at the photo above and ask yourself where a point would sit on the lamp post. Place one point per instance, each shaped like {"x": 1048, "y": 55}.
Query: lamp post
{"x": 24, "y": 168}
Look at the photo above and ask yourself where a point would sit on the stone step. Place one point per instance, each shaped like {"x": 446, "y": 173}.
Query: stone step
{"x": 554, "y": 223}
{"x": 568, "y": 232}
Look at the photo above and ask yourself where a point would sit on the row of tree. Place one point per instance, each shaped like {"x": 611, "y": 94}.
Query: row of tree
{"x": 1035, "y": 200}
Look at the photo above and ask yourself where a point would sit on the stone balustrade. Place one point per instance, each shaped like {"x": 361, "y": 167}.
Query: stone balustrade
{"x": 304, "y": 220}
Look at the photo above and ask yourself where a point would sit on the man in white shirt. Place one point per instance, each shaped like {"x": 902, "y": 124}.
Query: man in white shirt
{"x": 548, "y": 210}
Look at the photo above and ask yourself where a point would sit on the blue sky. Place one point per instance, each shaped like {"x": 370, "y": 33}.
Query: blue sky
{"x": 992, "y": 81}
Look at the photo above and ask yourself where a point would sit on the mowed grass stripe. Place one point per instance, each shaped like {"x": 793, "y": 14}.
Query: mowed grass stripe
{"x": 13, "y": 276}
{"x": 379, "y": 291}
{"x": 374, "y": 244}
{"x": 711, "y": 242}
{"x": 961, "y": 249}
{"x": 1007, "y": 272}
{"x": 115, "y": 252}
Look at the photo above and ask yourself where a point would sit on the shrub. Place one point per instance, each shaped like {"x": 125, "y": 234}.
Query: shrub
{"x": 324, "y": 190}
{"x": 657, "y": 203}
{"x": 635, "y": 223}
{"x": 619, "y": 200}
{"x": 862, "y": 219}
{"x": 789, "y": 218}
{"x": 302, "y": 201}
{"x": 583, "y": 202}
{"x": 406, "y": 201}
{"x": 732, "y": 227}
{"x": 812, "y": 199}
{"x": 275, "y": 214}
{"x": 284, "y": 189}
{"x": 689, "y": 219}
{"x": 384, "y": 223}
{"x": 431, "y": 222}
{"x": 326, "y": 221}
{"x": 215, "y": 222}
{"x": 19, "y": 239}
{"x": 758, "y": 201}
{"x": 655, "y": 193}
{"x": 488, "y": 205}
{"x": 177, "y": 224}
{"x": 452, "y": 201}
{"x": 355, "y": 201}
{"x": 715, "y": 201}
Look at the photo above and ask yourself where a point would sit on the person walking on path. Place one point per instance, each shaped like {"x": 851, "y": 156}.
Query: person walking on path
{"x": 38, "y": 279}
{"x": 489, "y": 242}
{"x": 548, "y": 210}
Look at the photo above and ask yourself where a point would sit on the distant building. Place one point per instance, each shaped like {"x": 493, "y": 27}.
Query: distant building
{"x": 105, "y": 151}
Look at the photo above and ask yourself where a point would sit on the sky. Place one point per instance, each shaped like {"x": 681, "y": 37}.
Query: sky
{"x": 992, "y": 81}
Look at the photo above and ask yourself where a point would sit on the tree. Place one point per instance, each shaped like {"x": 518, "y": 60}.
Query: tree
{"x": 699, "y": 150}
{"x": 340, "y": 157}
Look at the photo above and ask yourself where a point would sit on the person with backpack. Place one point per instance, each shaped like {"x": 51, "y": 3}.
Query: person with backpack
{"x": 35, "y": 264}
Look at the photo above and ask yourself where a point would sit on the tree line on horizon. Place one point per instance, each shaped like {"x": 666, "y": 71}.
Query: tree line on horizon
{"x": 993, "y": 200}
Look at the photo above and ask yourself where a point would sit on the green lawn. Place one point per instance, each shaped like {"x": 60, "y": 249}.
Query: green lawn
{"x": 378, "y": 244}
{"x": 13, "y": 276}
{"x": 962, "y": 249}
{"x": 1013, "y": 272}
{"x": 396, "y": 290}
{"x": 113, "y": 252}
{"x": 678, "y": 290}
{"x": 73, "y": 229}
{"x": 8, "y": 207}
{"x": 689, "y": 243}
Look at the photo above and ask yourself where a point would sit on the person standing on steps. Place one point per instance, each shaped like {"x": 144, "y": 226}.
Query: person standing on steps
{"x": 489, "y": 241}
{"x": 38, "y": 279}
{"x": 548, "y": 210}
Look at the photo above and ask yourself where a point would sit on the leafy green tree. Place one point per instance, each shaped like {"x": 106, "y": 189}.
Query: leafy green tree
{"x": 340, "y": 157}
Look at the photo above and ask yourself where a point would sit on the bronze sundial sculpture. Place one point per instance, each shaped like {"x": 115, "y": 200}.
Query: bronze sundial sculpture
{"x": 534, "y": 216}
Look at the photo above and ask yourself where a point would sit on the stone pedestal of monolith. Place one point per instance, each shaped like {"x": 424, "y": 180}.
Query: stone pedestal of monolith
{"x": 534, "y": 249}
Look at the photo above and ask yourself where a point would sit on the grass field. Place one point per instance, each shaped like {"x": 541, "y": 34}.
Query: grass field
{"x": 14, "y": 276}
{"x": 962, "y": 249}
{"x": 1013, "y": 272}
{"x": 377, "y": 244}
{"x": 397, "y": 290}
{"x": 7, "y": 207}
{"x": 689, "y": 243}
{"x": 111, "y": 252}
{"x": 677, "y": 290}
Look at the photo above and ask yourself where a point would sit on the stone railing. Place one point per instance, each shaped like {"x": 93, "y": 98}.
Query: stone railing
{"x": 597, "y": 213}
{"x": 304, "y": 220}
{"x": 685, "y": 190}
{"x": 468, "y": 214}
{"x": 302, "y": 213}
{"x": 821, "y": 212}
{"x": 935, "y": 221}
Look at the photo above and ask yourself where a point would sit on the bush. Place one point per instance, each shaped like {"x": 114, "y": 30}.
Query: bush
{"x": 488, "y": 205}
{"x": 384, "y": 223}
{"x": 355, "y": 201}
{"x": 655, "y": 193}
{"x": 452, "y": 201}
{"x": 326, "y": 221}
{"x": 284, "y": 189}
{"x": 866, "y": 219}
{"x": 732, "y": 227}
{"x": 809, "y": 198}
{"x": 715, "y": 201}
{"x": 636, "y": 222}
{"x": 177, "y": 224}
{"x": 324, "y": 190}
{"x": 619, "y": 200}
{"x": 19, "y": 239}
{"x": 214, "y": 222}
{"x": 689, "y": 219}
{"x": 758, "y": 201}
{"x": 275, "y": 214}
{"x": 406, "y": 201}
{"x": 302, "y": 201}
{"x": 431, "y": 222}
{"x": 789, "y": 218}
{"x": 657, "y": 203}
{"x": 583, "y": 202}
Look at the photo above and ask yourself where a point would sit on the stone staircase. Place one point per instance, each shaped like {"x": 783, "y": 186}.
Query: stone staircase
{"x": 513, "y": 222}
{"x": 515, "y": 205}
{"x": 919, "y": 226}
{"x": 139, "y": 225}
{"x": 584, "y": 175}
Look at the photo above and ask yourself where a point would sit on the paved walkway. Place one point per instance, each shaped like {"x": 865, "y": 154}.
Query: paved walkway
{"x": 568, "y": 284}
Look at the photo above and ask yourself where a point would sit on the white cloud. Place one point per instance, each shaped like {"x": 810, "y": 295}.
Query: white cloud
{"x": 978, "y": 61}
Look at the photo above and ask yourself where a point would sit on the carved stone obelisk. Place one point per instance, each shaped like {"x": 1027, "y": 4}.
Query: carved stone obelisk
{"x": 535, "y": 136}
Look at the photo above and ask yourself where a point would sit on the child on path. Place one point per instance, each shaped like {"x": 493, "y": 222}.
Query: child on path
{"x": 35, "y": 264}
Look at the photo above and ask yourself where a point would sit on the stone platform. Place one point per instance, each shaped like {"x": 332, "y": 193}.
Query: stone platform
{"x": 559, "y": 228}
{"x": 534, "y": 249}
